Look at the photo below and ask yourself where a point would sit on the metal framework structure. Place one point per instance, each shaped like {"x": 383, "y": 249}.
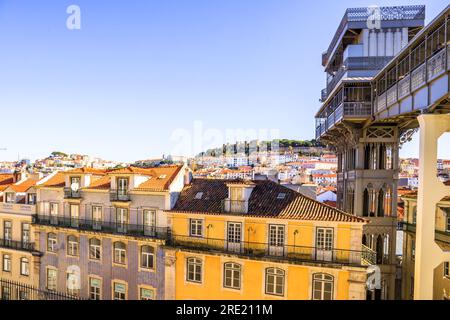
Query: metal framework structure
{"x": 367, "y": 119}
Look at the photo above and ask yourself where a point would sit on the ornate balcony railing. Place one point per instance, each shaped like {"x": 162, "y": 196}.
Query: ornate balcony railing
{"x": 12, "y": 290}
{"x": 72, "y": 194}
{"x": 119, "y": 195}
{"x": 137, "y": 230}
{"x": 17, "y": 245}
{"x": 284, "y": 252}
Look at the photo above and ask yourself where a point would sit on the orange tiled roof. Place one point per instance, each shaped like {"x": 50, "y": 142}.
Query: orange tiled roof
{"x": 24, "y": 185}
{"x": 160, "y": 178}
{"x": 6, "y": 180}
{"x": 57, "y": 181}
{"x": 87, "y": 171}
{"x": 103, "y": 183}
{"x": 263, "y": 202}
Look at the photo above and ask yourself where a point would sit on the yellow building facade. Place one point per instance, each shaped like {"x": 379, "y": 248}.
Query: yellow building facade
{"x": 260, "y": 240}
{"x": 441, "y": 274}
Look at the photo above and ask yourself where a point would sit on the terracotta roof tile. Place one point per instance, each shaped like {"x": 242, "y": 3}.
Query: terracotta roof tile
{"x": 57, "y": 181}
{"x": 103, "y": 183}
{"x": 23, "y": 186}
{"x": 160, "y": 178}
{"x": 6, "y": 180}
{"x": 263, "y": 202}
{"x": 87, "y": 171}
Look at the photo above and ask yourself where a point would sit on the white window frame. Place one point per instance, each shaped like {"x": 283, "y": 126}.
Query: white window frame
{"x": 95, "y": 250}
{"x": 6, "y": 262}
{"x": 194, "y": 268}
{"x": 120, "y": 253}
{"x": 323, "y": 280}
{"x": 51, "y": 285}
{"x": 196, "y": 228}
{"x": 232, "y": 272}
{"x": 24, "y": 267}
{"x": 148, "y": 258}
{"x": 278, "y": 278}
{"x": 97, "y": 292}
{"x": 73, "y": 247}
{"x": 53, "y": 244}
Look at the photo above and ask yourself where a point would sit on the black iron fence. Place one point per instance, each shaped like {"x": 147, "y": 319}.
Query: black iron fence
{"x": 119, "y": 195}
{"x": 72, "y": 194}
{"x": 11, "y": 290}
{"x": 17, "y": 245}
{"x": 285, "y": 252}
{"x": 113, "y": 227}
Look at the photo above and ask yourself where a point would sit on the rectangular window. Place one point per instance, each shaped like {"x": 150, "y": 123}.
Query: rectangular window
{"x": 447, "y": 269}
{"x": 25, "y": 233}
{"x": 147, "y": 294}
{"x": 232, "y": 275}
{"x": 275, "y": 281}
{"x": 10, "y": 197}
{"x": 414, "y": 214}
{"x": 234, "y": 232}
{"x": 324, "y": 239}
{"x": 24, "y": 267}
{"x": 51, "y": 279}
{"x": 95, "y": 289}
{"x": 121, "y": 219}
{"x": 7, "y": 230}
{"x": 31, "y": 198}
{"x": 6, "y": 263}
{"x": 276, "y": 235}
{"x": 119, "y": 291}
{"x": 97, "y": 217}
{"x": 6, "y": 293}
{"x": 74, "y": 215}
{"x": 149, "y": 221}
{"x": 122, "y": 186}
{"x": 196, "y": 228}
{"x": 53, "y": 209}
{"x": 447, "y": 227}
{"x": 194, "y": 270}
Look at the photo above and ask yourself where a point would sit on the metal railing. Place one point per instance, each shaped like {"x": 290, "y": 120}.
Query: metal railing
{"x": 414, "y": 12}
{"x": 17, "y": 245}
{"x": 119, "y": 195}
{"x": 11, "y": 290}
{"x": 137, "y": 230}
{"x": 72, "y": 194}
{"x": 284, "y": 252}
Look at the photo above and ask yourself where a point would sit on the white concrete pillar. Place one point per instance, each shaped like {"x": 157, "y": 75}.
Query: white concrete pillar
{"x": 397, "y": 41}
{"x": 365, "y": 41}
{"x": 372, "y": 43}
{"x": 389, "y": 43}
{"x": 404, "y": 37}
{"x": 381, "y": 43}
{"x": 428, "y": 254}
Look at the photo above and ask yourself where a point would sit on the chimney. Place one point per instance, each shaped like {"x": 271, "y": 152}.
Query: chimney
{"x": 187, "y": 176}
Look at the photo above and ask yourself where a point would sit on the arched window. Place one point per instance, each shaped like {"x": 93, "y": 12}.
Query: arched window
{"x": 52, "y": 242}
{"x": 95, "y": 249}
{"x": 24, "y": 267}
{"x": 232, "y": 275}
{"x": 364, "y": 240}
{"x": 323, "y": 286}
{"x": 366, "y": 203}
{"x": 386, "y": 248}
{"x": 120, "y": 252}
{"x": 380, "y": 207}
{"x": 72, "y": 246}
{"x": 388, "y": 202}
{"x": 194, "y": 270}
{"x": 379, "y": 249}
{"x": 147, "y": 257}
{"x": 275, "y": 281}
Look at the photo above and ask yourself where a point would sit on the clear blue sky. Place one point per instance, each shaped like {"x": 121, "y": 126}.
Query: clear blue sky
{"x": 138, "y": 71}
